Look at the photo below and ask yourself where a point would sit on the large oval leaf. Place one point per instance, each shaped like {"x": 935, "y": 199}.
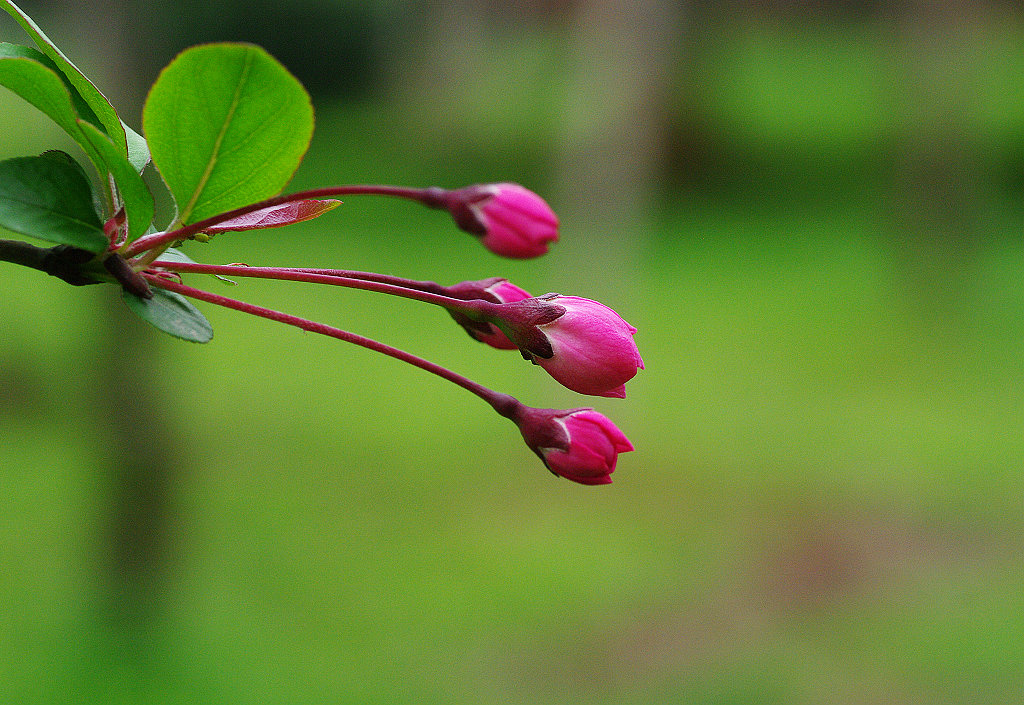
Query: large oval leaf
{"x": 49, "y": 197}
{"x": 227, "y": 126}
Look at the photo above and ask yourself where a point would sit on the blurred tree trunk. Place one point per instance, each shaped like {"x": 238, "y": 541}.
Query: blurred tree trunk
{"x": 139, "y": 458}
{"x": 453, "y": 46}
{"x": 621, "y": 61}
{"x": 937, "y": 199}
{"x": 622, "y": 57}
{"x": 140, "y": 466}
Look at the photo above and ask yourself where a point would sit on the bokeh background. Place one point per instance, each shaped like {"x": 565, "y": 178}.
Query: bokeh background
{"x": 811, "y": 211}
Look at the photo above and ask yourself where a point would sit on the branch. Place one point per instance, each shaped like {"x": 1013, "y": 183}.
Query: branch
{"x": 63, "y": 261}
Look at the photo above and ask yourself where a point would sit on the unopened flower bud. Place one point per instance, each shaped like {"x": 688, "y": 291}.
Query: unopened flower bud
{"x": 512, "y": 221}
{"x": 581, "y": 445}
{"x": 495, "y": 290}
{"x": 583, "y": 344}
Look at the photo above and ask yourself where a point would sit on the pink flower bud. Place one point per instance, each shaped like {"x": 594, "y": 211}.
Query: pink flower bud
{"x": 591, "y": 348}
{"x": 495, "y": 290}
{"x": 580, "y": 445}
{"x": 511, "y": 220}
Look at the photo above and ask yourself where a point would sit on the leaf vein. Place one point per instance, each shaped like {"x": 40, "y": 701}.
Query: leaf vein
{"x": 270, "y": 157}
{"x": 215, "y": 153}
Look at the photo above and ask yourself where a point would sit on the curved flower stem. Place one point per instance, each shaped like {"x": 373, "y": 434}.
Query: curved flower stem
{"x": 473, "y": 308}
{"x": 432, "y": 197}
{"x": 428, "y": 286}
{"x": 502, "y": 403}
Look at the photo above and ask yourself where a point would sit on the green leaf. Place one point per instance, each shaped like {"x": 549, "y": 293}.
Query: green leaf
{"x": 81, "y": 107}
{"x": 104, "y": 112}
{"x": 172, "y": 254}
{"x": 227, "y": 126}
{"x": 32, "y": 75}
{"x": 24, "y": 71}
{"x": 138, "y": 201}
{"x": 49, "y": 197}
{"x": 138, "y": 150}
{"x": 172, "y": 313}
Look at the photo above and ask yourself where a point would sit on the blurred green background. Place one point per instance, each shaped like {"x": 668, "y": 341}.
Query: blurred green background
{"x": 812, "y": 213}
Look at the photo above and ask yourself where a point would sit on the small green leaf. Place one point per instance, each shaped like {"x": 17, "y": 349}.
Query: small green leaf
{"x": 49, "y": 197}
{"x": 172, "y": 254}
{"x": 172, "y": 313}
{"x": 138, "y": 150}
{"x": 104, "y": 112}
{"x": 138, "y": 201}
{"x": 227, "y": 126}
{"x": 81, "y": 107}
{"x": 24, "y": 71}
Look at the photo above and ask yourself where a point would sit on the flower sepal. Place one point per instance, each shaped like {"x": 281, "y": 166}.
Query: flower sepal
{"x": 495, "y": 290}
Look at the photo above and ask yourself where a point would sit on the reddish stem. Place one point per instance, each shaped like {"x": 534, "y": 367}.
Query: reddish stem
{"x": 475, "y": 307}
{"x": 502, "y": 403}
{"x": 432, "y": 197}
{"x": 428, "y": 286}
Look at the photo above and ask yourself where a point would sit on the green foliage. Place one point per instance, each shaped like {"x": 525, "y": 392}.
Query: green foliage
{"x": 49, "y": 197}
{"x": 81, "y": 108}
{"x": 227, "y": 126}
{"x": 138, "y": 201}
{"x": 32, "y": 75}
{"x": 97, "y": 102}
{"x": 24, "y": 71}
{"x": 172, "y": 314}
{"x": 138, "y": 149}
{"x": 172, "y": 254}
